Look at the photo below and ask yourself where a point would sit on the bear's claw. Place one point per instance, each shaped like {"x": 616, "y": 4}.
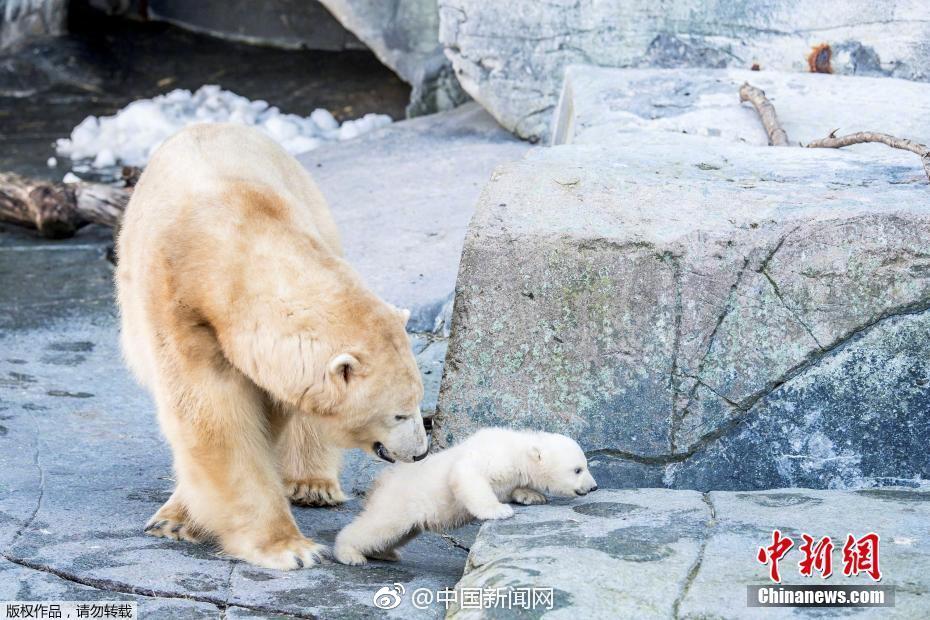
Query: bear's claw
{"x": 315, "y": 492}
{"x": 528, "y": 497}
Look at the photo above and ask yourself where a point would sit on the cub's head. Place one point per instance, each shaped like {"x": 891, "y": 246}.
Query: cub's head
{"x": 558, "y": 464}
{"x": 373, "y": 388}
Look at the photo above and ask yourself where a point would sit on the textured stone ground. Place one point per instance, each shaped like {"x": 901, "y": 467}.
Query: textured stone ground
{"x": 655, "y": 553}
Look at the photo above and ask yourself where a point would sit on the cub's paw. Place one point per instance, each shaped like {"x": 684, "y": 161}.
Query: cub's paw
{"x": 170, "y": 528}
{"x": 345, "y": 554}
{"x": 528, "y": 497}
{"x": 389, "y": 555}
{"x": 501, "y": 511}
{"x": 288, "y": 554}
{"x": 315, "y": 492}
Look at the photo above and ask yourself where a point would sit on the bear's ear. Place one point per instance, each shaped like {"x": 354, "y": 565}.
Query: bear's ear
{"x": 535, "y": 453}
{"x": 405, "y": 315}
{"x": 342, "y": 367}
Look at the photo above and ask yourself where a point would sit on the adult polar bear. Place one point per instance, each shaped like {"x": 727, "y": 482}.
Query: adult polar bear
{"x": 264, "y": 351}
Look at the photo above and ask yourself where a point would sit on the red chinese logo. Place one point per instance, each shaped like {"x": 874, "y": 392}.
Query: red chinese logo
{"x": 775, "y": 552}
{"x": 817, "y": 557}
{"x": 860, "y": 555}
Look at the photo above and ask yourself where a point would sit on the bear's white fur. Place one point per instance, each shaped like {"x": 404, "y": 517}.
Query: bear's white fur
{"x": 470, "y": 480}
{"x": 265, "y": 352}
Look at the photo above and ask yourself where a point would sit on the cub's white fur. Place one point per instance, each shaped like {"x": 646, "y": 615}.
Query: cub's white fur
{"x": 470, "y": 480}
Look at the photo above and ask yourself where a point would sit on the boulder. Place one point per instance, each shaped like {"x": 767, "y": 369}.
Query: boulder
{"x": 702, "y": 313}
{"x": 404, "y": 35}
{"x": 510, "y": 56}
{"x": 655, "y": 553}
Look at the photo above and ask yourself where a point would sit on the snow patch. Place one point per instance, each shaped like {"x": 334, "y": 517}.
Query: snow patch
{"x": 131, "y": 135}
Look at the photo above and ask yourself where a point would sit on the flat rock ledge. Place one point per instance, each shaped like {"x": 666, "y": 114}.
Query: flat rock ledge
{"x": 656, "y": 553}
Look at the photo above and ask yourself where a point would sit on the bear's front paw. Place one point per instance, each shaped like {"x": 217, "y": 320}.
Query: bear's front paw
{"x": 288, "y": 554}
{"x": 501, "y": 511}
{"x": 345, "y": 554}
{"x": 315, "y": 492}
{"x": 528, "y": 497}
{"x": 170, "y": 528}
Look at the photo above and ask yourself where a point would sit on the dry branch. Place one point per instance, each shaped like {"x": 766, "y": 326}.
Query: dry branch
{"x": 862, "y": 137}
{"x": 766, "y": 111}
{"x": 57, "y": 210}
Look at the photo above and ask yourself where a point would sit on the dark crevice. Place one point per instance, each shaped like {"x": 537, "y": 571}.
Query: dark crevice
{"x": 452, "y": 541}
{"x": 674, "y": 377}
{"x": 696, "y": 567}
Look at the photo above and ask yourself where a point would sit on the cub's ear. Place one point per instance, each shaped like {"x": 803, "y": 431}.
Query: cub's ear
{"x": 405, "y": 315}
{"x": 342, "y": 367}
{"x": 535, "y": 453}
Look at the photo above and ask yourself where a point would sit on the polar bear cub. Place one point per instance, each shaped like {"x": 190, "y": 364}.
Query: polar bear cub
{"x": 471, "y": 480}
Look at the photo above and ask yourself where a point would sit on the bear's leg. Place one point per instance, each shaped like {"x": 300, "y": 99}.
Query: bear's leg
{"x": 527, "y": 497}
{"x": 219, "y": 429}
{"x": 309, "y": 463}
{"x": 172, "y": 521}
{"x": 373, "y": 535}
{"x": 473, "y": 491}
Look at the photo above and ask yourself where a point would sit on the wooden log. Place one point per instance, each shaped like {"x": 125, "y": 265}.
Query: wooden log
{"x": 51, "y": 208}
{"x": 58, "y": 210}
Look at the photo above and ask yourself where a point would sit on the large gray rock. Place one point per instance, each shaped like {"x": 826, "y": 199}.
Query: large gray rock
{"x": 702, "y": 314}
{"x": 655, "y": 553}
{"x": 510, "y": 56}
{"x": 404, "y": 34}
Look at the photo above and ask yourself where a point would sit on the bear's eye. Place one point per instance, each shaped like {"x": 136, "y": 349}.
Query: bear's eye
{"x": 401, "y": 418}
{"x": 577, "y": 470}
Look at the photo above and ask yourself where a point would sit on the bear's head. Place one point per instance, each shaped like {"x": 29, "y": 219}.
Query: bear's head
{"x": 372, "y": 387}
{"x": 558, "y": 465}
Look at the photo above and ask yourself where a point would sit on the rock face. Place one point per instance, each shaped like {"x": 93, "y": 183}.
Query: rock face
{"x": 25, "y": 19}
{"x": 656, "y": 553}
{"x": 510, "y": 56}
{"x": 404, "y": 34}
{"x": 702, "y": 314}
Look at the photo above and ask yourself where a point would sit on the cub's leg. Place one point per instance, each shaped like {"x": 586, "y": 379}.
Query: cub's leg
{"x": 375, "y": 535}
{"x": 172, "y": 521}
{"x": 472, "y": 490}
{"x": 309, "y": 463}
{"x": 527, "y": 497}
{"x": 218, "y": 425}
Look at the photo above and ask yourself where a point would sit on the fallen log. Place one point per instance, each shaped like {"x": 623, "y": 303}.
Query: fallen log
{"x": 58, "y": 210}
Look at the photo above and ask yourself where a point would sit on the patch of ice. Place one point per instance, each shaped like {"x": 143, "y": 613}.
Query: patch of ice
{"x": 131, "y": 135}
{"x": 70, "y": 177}
{"x": 51, "y": 162}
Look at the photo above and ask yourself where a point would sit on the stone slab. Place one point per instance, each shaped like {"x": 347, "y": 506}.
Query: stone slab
{"x": 654, "y": 553}
{"x": 510, "y": 56}
{"x": 723, "y": 315}
{"x": 403, "y": 196}
{"x": 600, "y": 105}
